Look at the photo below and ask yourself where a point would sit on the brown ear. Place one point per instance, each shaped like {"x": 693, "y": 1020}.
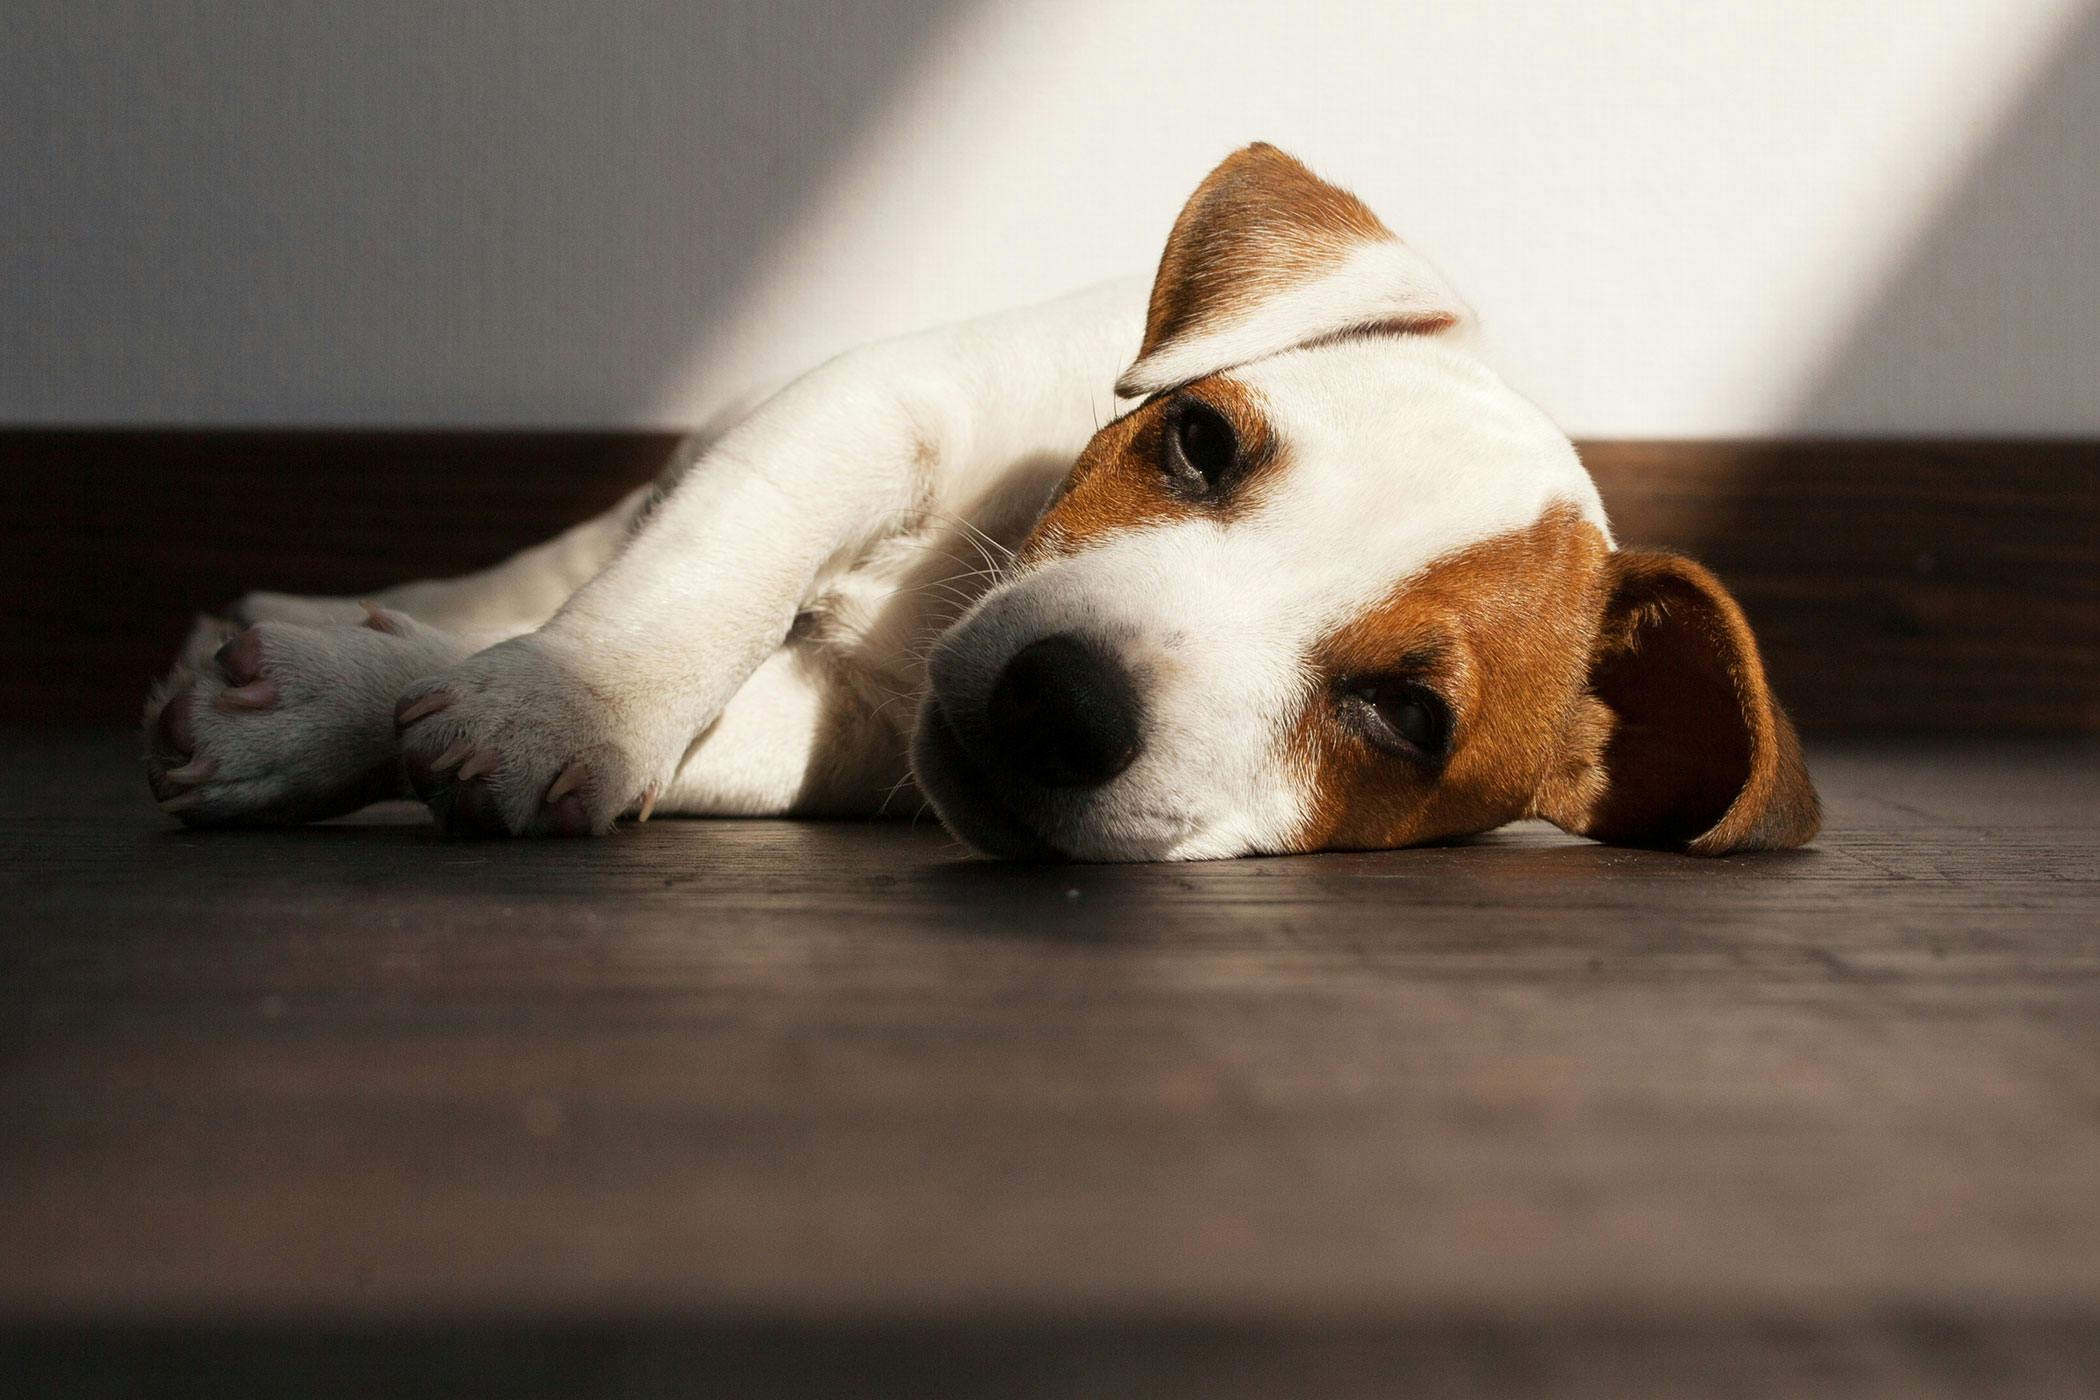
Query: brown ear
{"x": 1267, "y": 256}
{"x": 1680, "y": 744}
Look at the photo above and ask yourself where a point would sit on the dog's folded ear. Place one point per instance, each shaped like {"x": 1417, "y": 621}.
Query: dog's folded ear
{"x": 1678, "y": 742}
{"x": 1267, "y": 256}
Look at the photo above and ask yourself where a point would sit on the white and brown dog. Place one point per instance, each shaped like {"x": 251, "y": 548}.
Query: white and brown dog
{"x": 1322, "y": 581}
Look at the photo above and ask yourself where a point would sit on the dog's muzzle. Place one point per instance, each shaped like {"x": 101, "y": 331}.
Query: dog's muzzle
{"x": 1064, "y": 717}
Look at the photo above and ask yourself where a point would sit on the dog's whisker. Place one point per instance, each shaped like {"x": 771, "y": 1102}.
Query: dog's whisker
{"x": 882, "y": 809}
{"x": 996, "y": 559}
{"x": 996, "y": 554}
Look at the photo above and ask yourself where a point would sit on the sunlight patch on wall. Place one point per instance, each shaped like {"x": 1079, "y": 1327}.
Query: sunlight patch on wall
{"x": 1668, "y": 216}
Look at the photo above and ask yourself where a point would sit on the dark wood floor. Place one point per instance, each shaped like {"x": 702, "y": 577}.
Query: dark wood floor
{"x": 770, "y": 1109}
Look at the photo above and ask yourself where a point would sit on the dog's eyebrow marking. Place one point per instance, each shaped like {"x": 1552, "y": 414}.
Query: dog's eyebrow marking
{"x": 1422, "y": 660}
{"x": 1116, "y": 484}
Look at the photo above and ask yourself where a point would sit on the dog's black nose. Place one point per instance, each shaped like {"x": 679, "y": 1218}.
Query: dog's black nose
{"x": 1064, "y": 713}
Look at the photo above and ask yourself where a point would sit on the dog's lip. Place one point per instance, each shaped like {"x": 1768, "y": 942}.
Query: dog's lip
{"x": 967, "y": 802}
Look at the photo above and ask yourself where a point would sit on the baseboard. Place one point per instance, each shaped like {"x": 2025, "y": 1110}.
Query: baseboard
{"x": 1896, "y": 585}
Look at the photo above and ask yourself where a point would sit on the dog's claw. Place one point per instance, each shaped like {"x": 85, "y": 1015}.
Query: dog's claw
{"x": 570, "y": 779}
{"x": 483, "y": 761}
{"x": 175, "y": 806}
{"x": 191, "y": 773}
{"x": 451, "y": 758}
{"x": 411, "y": 711}
{"x": 648, "y": 803}
{"x": 258, "y": 695}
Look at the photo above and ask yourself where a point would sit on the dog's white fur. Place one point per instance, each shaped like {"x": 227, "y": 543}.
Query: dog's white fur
{"x": 762, "y": 638}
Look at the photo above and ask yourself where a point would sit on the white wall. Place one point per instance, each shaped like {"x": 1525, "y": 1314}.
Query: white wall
{"x": 1677, "y": 219}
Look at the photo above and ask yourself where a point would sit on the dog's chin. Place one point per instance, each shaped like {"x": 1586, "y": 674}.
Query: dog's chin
{"x": 964, "y": 798}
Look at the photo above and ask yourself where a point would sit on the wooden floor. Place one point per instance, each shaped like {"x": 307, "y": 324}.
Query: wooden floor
{"x": 775, "y": 1109}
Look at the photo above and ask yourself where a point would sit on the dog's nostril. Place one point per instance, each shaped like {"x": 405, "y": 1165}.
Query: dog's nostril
{"x": 1066, "y": 713}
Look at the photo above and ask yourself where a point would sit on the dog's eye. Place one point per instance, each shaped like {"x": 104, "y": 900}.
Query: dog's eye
{"x": 1403, "y": 717}
{"x": 1199, "y": 450}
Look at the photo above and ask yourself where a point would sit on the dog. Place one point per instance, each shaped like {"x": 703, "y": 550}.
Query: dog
{"x": 1310, "y": 578}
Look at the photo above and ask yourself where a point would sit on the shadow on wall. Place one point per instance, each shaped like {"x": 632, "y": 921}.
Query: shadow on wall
{"x": 515, "y": 151}
{"x": 1977, "y": 565}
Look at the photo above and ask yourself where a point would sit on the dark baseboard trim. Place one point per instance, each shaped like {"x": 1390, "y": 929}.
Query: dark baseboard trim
{"x": 1896, "y": 585}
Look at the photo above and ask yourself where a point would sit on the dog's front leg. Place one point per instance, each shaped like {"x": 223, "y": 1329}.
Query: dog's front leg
{"x": 565, "y": 728}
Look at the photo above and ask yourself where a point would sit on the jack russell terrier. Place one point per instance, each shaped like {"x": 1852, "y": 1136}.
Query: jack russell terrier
{"x": 1319, "y": 581}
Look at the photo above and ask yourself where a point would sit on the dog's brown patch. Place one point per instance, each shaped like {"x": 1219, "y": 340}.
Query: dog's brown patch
{"x": 1503, "y": 631}
{"x": 1117, "y": 483}
{"x": 1618, "y": 695}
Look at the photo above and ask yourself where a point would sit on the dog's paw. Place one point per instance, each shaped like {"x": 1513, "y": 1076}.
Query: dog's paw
{"x": 283, "y": 723}
{"x": 521, "y": 739}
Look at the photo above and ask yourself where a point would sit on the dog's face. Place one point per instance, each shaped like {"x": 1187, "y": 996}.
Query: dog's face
{"x": 1331, "y": 585}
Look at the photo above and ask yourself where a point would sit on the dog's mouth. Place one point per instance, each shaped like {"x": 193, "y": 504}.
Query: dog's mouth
{"x": 967, "y": 801}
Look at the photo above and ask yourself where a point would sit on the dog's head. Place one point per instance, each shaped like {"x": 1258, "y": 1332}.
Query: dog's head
{"x": 1331, "y": 584}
